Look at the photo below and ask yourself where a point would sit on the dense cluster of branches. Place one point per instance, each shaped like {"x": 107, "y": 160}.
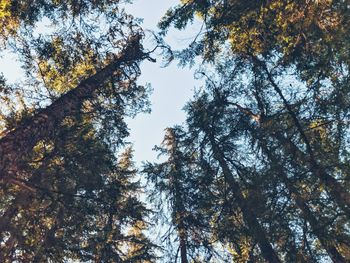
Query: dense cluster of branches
{"x": 68, "y": 186}
{"x": 258, "y": 173}
{"x": 263, "y": 159}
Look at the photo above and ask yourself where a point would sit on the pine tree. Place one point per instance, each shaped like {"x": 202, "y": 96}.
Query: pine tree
{"x": 281, "y": 70}
{"x": 175, "y": 182}
{"x": 65, "y": 194}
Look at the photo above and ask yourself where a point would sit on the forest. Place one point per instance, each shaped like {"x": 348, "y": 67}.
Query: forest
{"x": 259, "y": 171}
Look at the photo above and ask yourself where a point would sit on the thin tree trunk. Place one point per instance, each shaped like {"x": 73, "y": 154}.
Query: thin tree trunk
{"x": 179, "y": 207}
{"x": 336, "y": 190}
{"x": 181, "y": 229}
{"x": 256, "y": 230}
{"x": 183, "y": 244}
{"x": 317, "y": 229}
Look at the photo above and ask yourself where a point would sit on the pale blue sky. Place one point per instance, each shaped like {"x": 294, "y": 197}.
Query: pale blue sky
{"x": 172, "y": 86}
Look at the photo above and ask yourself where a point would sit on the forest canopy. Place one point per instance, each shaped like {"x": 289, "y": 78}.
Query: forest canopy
{"x": 258, "y": 172}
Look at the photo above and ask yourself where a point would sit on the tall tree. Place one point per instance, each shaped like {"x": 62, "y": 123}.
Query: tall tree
{"x": 263, "y": 180}
{"x": 285, "y": 69}
{"x": 175, "y": 191}
{"x": 205, "y": 116}
{"x": 281, "y": 38}
{"x": 65, "y": 195}
{"x": 78, "y": 202}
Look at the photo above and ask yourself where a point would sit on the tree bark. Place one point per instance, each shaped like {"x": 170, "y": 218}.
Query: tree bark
{"x": 317, "y": 229}
{"x": 179, "y": 206}
{"x": 18, "y": 143}
{"x": 256, "y": 230}
{"x": 336, "y": 190}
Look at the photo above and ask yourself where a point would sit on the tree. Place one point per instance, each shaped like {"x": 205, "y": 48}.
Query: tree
{"x": 80, "y": 203}
{"x": 271, "y": 191}
{"x": 204, "y": 116}
{"x": 311, "y": 50}
{"x": 175, "y": 192}
{"x": 285, "y": 69}
{"x": 65, "y": 195}
{"x": 42, "y": 124}
{"x": 258, "y": 173}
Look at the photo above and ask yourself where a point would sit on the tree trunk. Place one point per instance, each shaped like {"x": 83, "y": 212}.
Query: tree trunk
{"x": 18, "y": 143}
{"x": 317, "y": 229}
{"x": 336, "y": 190}
{"x": 183, "y": 245}
{"x": 256, "y": 230}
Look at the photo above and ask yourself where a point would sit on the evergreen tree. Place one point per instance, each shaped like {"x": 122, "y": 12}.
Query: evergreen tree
{"x": 259, "y": 172}
{"x": 282, "y": 75}
{"x": 65, "y": 194}
{"x": 175, "y": 192}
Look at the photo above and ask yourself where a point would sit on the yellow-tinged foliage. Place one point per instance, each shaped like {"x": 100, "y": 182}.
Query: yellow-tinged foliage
{"x": 320, "y": 127}
{"x": 5, "y": 8}
{"x": 134, "y": 249}
{"x": 125, "y": 159}
{"x": 278, "y": 24}
{"x": 344, "y": 250}
{"x": 241, "y": 254}
{"x": 186, "y": 1}
{"x": 53, "y": 72}
{"x": 9, "y": 22}
{"x": 320, "y": 135}
{"x": 40, "y": 150}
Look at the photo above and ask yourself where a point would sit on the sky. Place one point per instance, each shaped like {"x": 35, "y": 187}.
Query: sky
{"x": 172, "y": 86}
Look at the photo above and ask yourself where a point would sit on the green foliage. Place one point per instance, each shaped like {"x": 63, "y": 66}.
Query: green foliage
{"x": 258, "y": 173}
{"x": 301, "y": 32}
{"x": 79, "y": 202}
{"x": 70, "y": 197}
{"x": 275, "y": 107}
{"x": 178, "y": 200}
